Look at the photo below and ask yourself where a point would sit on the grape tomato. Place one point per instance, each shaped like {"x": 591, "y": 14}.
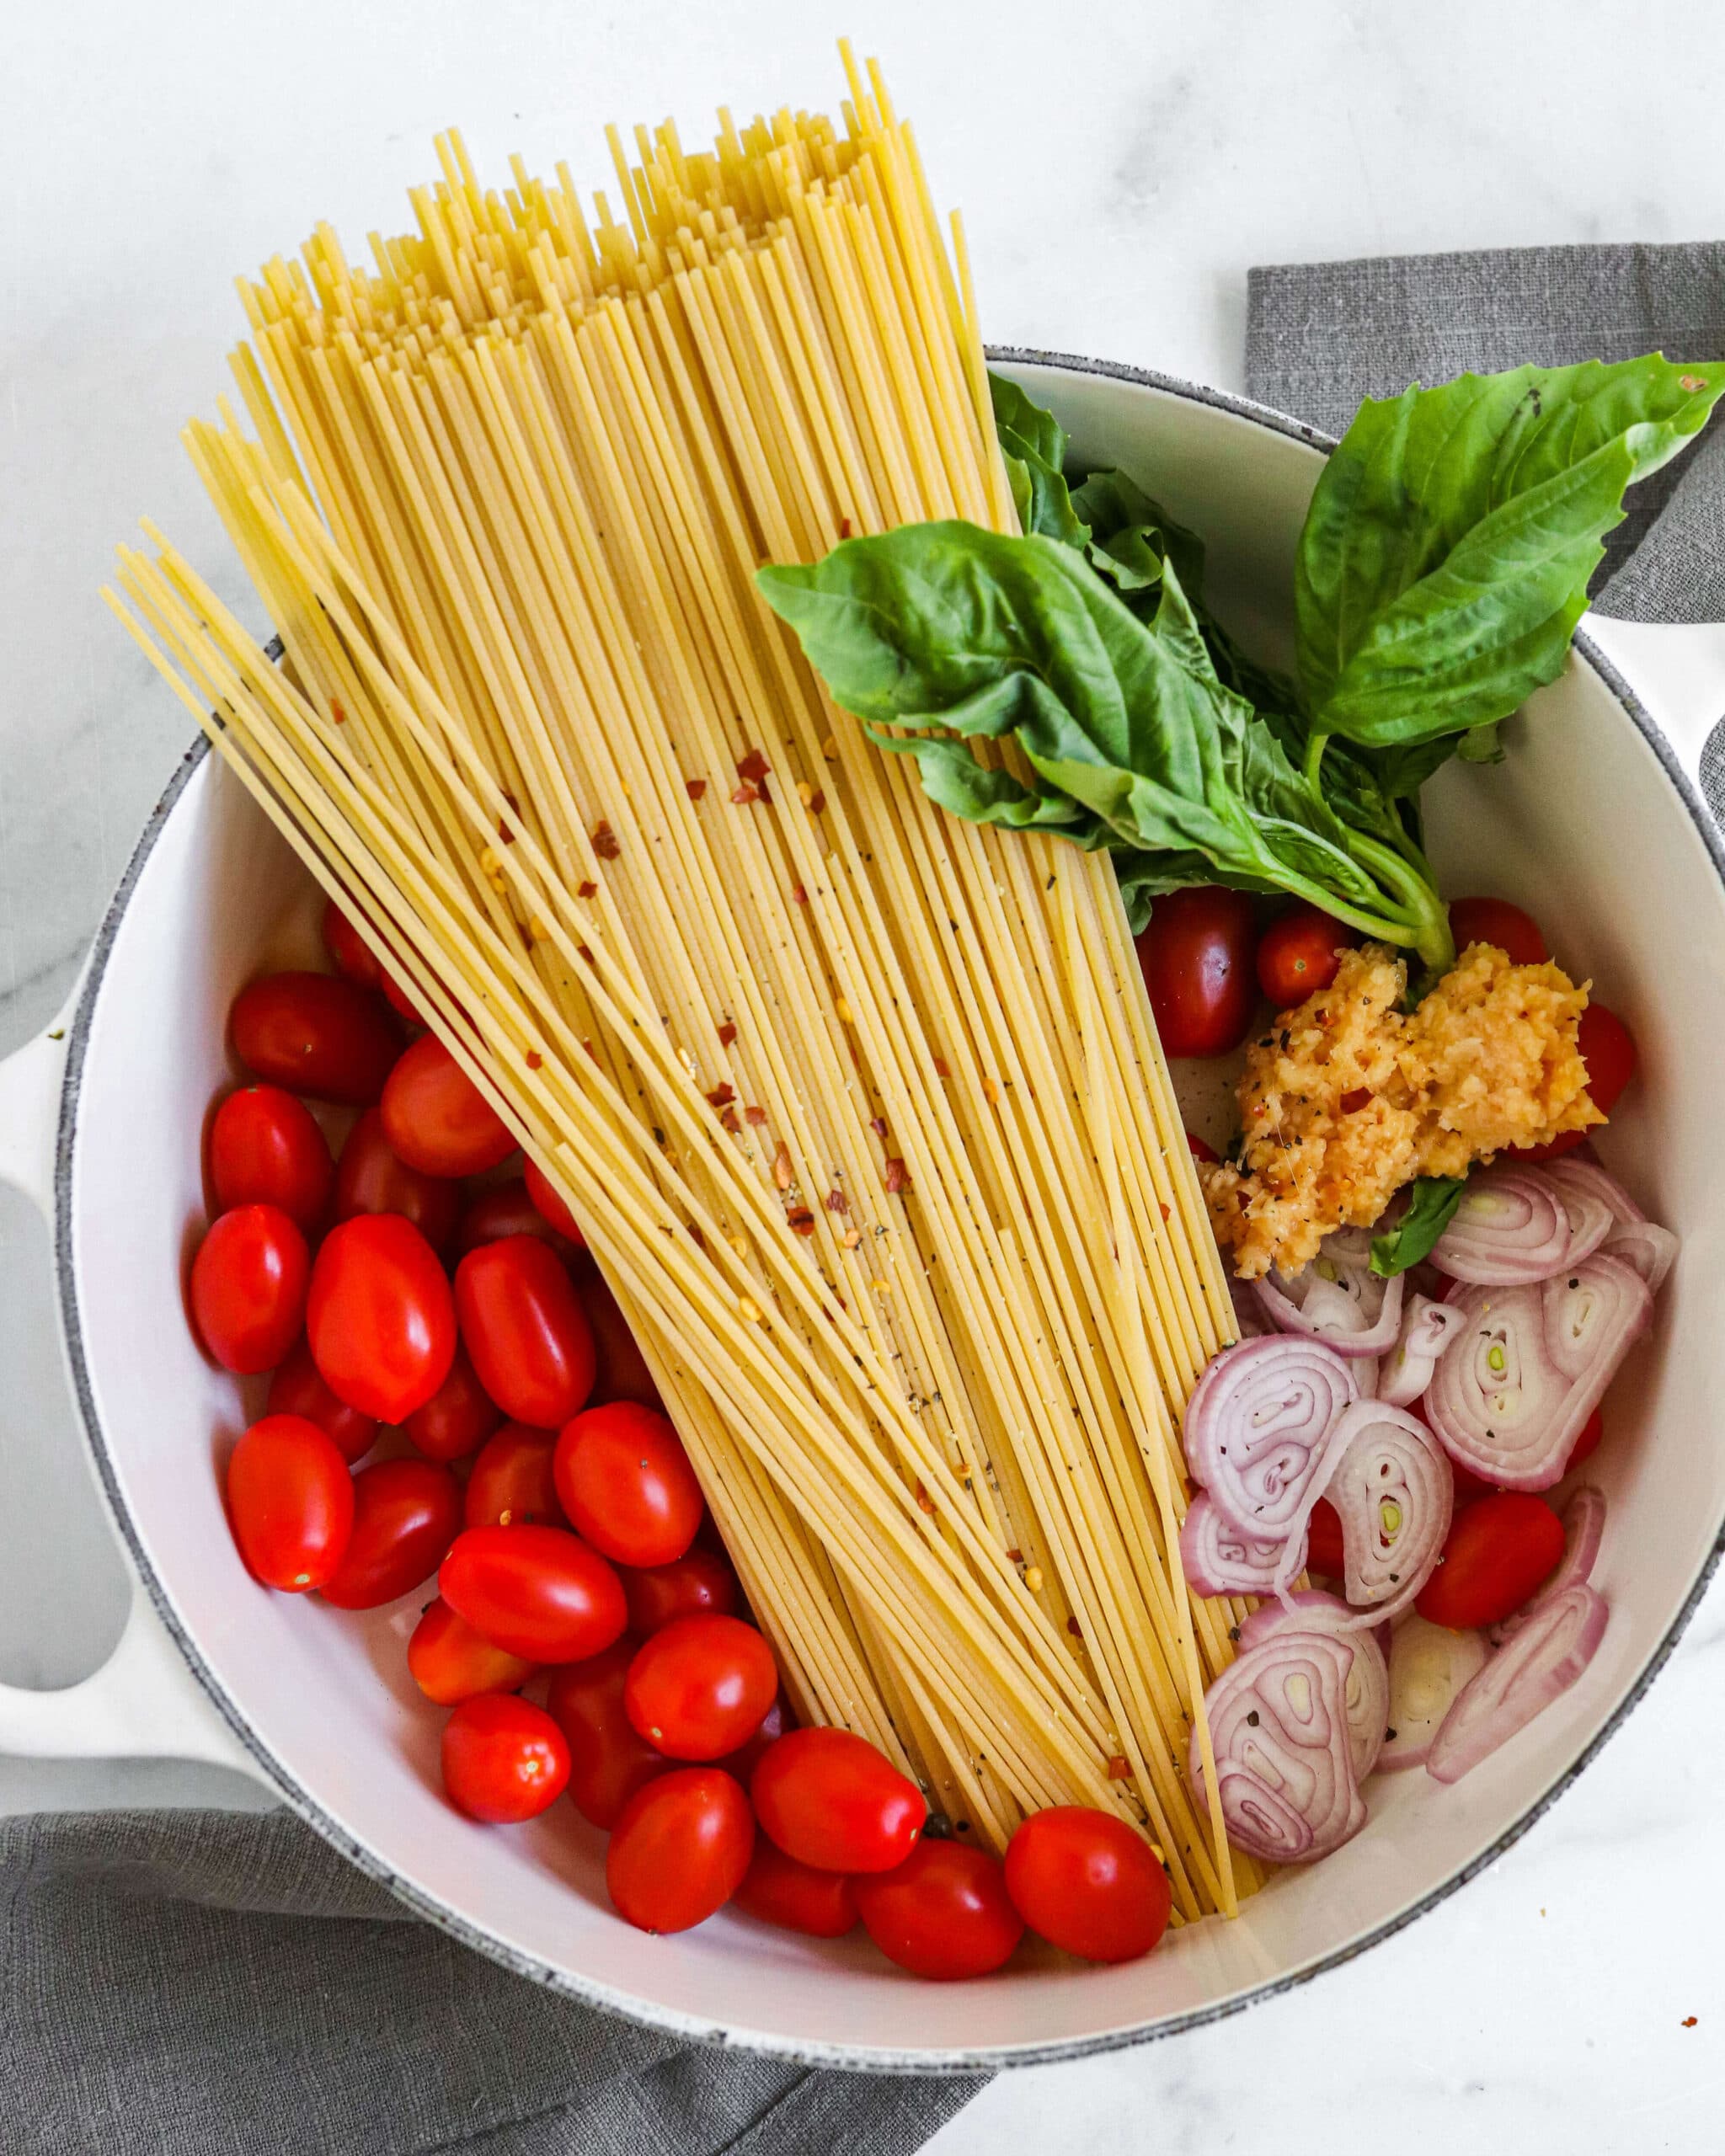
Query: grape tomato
{"x": 680, "y": 1849}
{"x": 380, "y": 1316}
{"x": 504, "y": 1759}
{"x": 512, "y": 1484}
{"x": 406, "y": 1514}
{"x": 609, "y": 1761}
{"x": 944, "y": 1912}
{"x": 290, "y": 1502}
{"x": 297, "y": 1389}
{"x": 266, "y": 1148}
{"x": 369, "y": 1178}
{"x": 697, "y": 1584}
{"x": 699, "y": 1688}
{"x": 525, "y": 1329}
{"x": 449, "y": 1661}
{"x": 626, "y": 1483}
{"x": 778, "y": 1890}
{"x": 248, "y": 1287}
{"x": 1197, "y": 958}
{"x": 315, "y": 1033}
{"x": 1499, "y": 1551}
{"x": 349, "y": 951}
{"x": 436, "y": 1117}
{"x": 1300, "y": 953}
{"x": 830, "y": 1799}
{"x": 550, "y": 1206}
{"x": 457, "y": 1418}
{"x": 538, "y": 1592}
{"x": 1088, "y": 1883}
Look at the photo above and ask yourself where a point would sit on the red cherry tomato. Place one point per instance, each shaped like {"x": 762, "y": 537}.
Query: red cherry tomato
{"x": 699, "y": 1688}
{"x": 829, "y": 1798}
{"x": 504, "y": 1759}
{"x": 525, "y": 1329}
{"x": 700, "y": 1583}
{"x": 778, "y": 1890}
{"x": 290, "y": 1502}
{"x": 944, "y": 1913}
{"x": 1088, "y": 1883}
{"x": 1468, "y": 1485}
{"x": 1495, "y": 920}
{"x": 380, "y": 1316}
{"x": 680, "y": 1849}
{"x": 315, "y": 1033}
{"x": 536, "y": 1591}
{"x": 626, "y": 1483}
{"x": 450, "y": 1662}
{"x": 621, "y": 1371}
{"x": 457, "y": 1418}
{"x": 1325, "y": 1551}
{"x": 1196, "y": 955}
{"x": 248, "y": 1287}
{"x": 400, "y": 997}
{"x": 608, "y": 1761}
{"x": 406, "y": 1514}
{"x": 352, "y": 954}
{"x": 1587, "y": 1443}
{"x": 512, "y": 1484}
{"x": 436, "y": 1117}
{"x": 1498, "y": 1551}
{"x": 369, "y": 1178}
{"x": 1300, "y": 953}
{"x": 743, "y": 1762}
{"x": 1608, "y": 1050}
{"x": 265, "y": 1149}
{"x": 296, "y": 1388}
{"x": 503, "y": 1210}
{"x": 1200, "y": 1151}
{"x": 550, "y": 1206}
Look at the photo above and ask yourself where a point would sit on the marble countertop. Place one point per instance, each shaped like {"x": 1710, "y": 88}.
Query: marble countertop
{"x": 1119, "y": 166}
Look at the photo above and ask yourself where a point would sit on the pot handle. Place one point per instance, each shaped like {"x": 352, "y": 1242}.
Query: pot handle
{"x": 1677, "y": 670}
{"x": 144, "y": 1701}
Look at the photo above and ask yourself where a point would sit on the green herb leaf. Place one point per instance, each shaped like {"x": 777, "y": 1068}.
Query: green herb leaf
{"x": 1033, "y": 444}
{"x": 1431, "y": 1205}
{"x": 1445, "y": 558}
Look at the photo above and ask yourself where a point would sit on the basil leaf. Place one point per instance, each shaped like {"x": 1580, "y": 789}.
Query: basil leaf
{"x": 1445, "y": 557}
{"x": 1033, "y": 444}
{"x": 1431, "y": 1205}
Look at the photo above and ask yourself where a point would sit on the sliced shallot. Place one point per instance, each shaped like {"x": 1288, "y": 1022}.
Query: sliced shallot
{"x": 1257, "y": 1430}
{"x": 1428, "y": 1666}
{"x": 1645, "y": 1247}
{"x": 1285, "y": 1766}
{"x": 1595, "y": 1202}
{"x": 1368, "y": 1691}
{"x": 1594, "y": 1311}
{"x": 1221, "y": 1558}
{"x": 1583, "y": 1529}
{"x": 1509, "y": 1228}
{"x": 1428, "y": 1328}
{"x": 1522, "y": 1678}
{"x": 1338, "y": 1298}
{"x": 1393, "y": 1491}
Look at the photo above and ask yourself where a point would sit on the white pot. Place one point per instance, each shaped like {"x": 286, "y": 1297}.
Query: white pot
{"x": 1594, "y": 822}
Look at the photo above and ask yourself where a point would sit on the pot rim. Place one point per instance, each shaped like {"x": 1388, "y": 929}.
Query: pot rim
{"x": 865, "y": 2059}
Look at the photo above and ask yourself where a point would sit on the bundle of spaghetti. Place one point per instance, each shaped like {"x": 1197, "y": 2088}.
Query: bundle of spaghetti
{"x": 861, "y": 1106}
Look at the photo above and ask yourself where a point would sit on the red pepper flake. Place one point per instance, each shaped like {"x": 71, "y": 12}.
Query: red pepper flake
{"x": 1163, "y": 1211}
{"x": 503, "y": 832}
{"x": 836, "y": 1202}
{"x": 754, "y": 766}
{"x": 590, "y": 1048}
{"x": 526, "y": 935}
{"x": 336, "y": 712}
{"x": 1690, "y": 382}
{"x": 898, "y": 1177}
{"x": 700, "y": 1240}
{"x": 534, "y": 1058}
{"x": 756, "y": 1115}
{"x": 801, "y": 1219}
{"x": 817, "y": 802}
{"x": 695, "y": 787}
{"x": 584, "y": 952}
{"x": 728, "y": 1121}
{"x": 586, "y": 888}
{"x": 1120, "y": 1768}
{"x": 605, "y": 843}
{"x": 720, "y": 1095}
{"x": 1073, "y": 1628}
{"x": 727, "y": 1035}
{"x": 1016, "y": 1556}
{"x": 510, "y": 799}
{"x": 925, "y": 1502}
{"x": 1354, "y": 1101}
{"x": 744, "y": 794}
{"x": 799, "y": 895}
{"x": 1689, "y": 2019}
{"x": 876, "y": 1124}
{"x": 941, "y": 1068}
{"x": 845, "y": 521}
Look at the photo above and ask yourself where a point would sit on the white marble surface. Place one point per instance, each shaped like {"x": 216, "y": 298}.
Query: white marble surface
{"x": 1120, "y": 166}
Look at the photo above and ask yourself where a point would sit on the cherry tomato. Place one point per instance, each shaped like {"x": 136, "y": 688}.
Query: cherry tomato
{"x": 504, "y": 1759}
{"x": 536, "y": 1591}
{"x": 265, "y": 1149}
{"x": 406, "y": 1514}
{"x": 1587, "y": 1443}
{"x": 550, "y": 1206}
{"x": 1200, "y": 1151}
{"x": 296, "y": 1388}
{"x": 457, "y": 1418}
{"x": 680, "y": 1850}
{"x": 436, "y": 1117}
{"x": 1495, "y": 920}
{"x": 944, "y": 1913}
{"x": 525, "y": 1329}
{"x": 1088, "y": 1883}
{"x": 1325, "y": 1551}
{"x": 450, "y": 1662}
{"x": 699, "y": 1688}
{"x": 1300, "y": 953}
{"x": 621, "y": 1371}
{"x": 1468, "y": 1485}
{"x": 380, "y": 1316}
{"x": 1608, "y": 1050}
{"x": 512, "y": 1484}
{"x": 778, "y": 1890}
{"x": 626, "y": 1483}
{"x": 400, "y": 997}
{"x": 1196, "y": 955}
{"x": 829, "y": 1798}
{"x": 743, "y": 1762}
{"x": 700, "y": 1583}
{"x": 290, "y": 1502}
{"x": 502, "y": 1209}
{"x": 370, "y": 1179}
{"x": 608, "y": 1761}
{"x": 352, "y": 954}
{"x": 1498, "y": 1551}
{"x": 248, "y": 1287}
{"x": 315, "y": 1033}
